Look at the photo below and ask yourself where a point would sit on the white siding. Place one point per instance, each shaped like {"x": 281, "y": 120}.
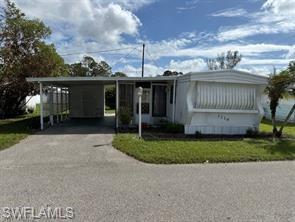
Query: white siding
{"x": 224, "y": 107}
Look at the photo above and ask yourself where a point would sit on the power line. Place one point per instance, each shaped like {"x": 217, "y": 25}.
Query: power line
{"x": 101, "y": 51}
{"x": 131, "y": 51}
{"x": 151, "y": 59}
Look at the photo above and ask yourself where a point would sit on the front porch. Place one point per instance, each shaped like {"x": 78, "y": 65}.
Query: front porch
{"x": 158, "y": 101}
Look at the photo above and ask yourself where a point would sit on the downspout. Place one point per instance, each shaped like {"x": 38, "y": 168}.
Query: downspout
{"x": 174, "y": 105}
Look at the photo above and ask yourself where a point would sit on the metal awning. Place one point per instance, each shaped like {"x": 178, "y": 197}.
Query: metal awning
{"x": 67, "y": 81}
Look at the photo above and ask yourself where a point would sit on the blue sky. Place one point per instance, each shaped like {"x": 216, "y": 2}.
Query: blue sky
{"x": 179, "y": 34}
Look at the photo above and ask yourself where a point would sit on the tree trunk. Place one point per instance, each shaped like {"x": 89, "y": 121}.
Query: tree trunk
{"x": 286, "y": 121}
{"x": 274, "y": 127}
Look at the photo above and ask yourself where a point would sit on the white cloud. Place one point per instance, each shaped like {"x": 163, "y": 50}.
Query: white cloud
{"x": 183, "y": 48}
{"x": 275, "y": 17}
{"x": 272, "y": 62}
{"x": 232, "y": 12}
{"x": 108, "y": 24}
{"x": 185, "y": 66}
{"x": 243, "y": 31}
{"x": 261, "y": 70}
{"x": 149, "y": 70}
{"x": 81, "y": 22}
{"x": 128, "y": 4}
{"x": 282, "y": 7}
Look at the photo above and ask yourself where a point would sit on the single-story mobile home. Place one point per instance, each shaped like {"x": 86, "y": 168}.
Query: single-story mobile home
{"x": 213, "y": 102}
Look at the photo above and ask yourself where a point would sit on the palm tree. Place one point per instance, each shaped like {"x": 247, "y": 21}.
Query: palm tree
{"x": 277, "y": 88}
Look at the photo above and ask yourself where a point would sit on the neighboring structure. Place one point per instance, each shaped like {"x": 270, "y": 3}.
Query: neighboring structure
{"x": 215, "y": 102}
{"x": 283, "y": 109}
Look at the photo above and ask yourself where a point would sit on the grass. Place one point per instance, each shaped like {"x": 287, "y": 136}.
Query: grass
{"x": 200, "y": 151}
{"x": 110, "y": 111}
{"x": 16, "y": 129}
{"x": 289, "y": 130}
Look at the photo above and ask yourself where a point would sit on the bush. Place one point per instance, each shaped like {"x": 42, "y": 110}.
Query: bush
{"x": 170, "y": 127}
{"x": 110, "y": 97}
{"x": 30, "y": 110}
{"x": 198, "y": 134}
{"x": 252, "y": 132}
{"x": 125, "y": 115}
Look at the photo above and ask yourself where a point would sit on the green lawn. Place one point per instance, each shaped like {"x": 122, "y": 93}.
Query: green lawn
{"x": 200, "y": 151}
{"x": 14, "y": 130}
{"x": 266, "y": 126}
{"x": 110, "y": 111}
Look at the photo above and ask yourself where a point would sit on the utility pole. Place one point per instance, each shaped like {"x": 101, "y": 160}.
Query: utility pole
{"x": 142, "y": 64}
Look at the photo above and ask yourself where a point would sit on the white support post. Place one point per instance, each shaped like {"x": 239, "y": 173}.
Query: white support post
{"x": 117, "y": 104}
{"x": 140, "y": 90}
{"x": 41, "y": 106}
{"x": 68, "y": 104}
{"x": 57, "y": 104}
{"x": 173, "y": 105}
{"x": 61, "y": 104}
{"x": 51, "y": 106}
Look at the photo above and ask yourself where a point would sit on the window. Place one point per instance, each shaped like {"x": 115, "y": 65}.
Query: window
{"x": 126, "y": 96}
{"x": 159, "y": 100}
{"x": 145, "y": 102}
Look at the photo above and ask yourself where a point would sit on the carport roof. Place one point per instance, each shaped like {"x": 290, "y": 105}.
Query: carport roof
{"x": 95, "y": 80}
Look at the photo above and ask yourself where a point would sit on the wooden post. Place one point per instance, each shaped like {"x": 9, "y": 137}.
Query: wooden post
{"x": 142, "y": 61}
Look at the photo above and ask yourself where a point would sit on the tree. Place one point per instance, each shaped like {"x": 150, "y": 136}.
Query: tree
{"x": 119, "y": 74}
{"x": 172, "y": 73}
{"x": 228, "y": 61}
{"x": 277, "y": 89}
{"x": 23, "y": 53}
{"x": 110, "y": 97}
{"x": 89, "y": 67}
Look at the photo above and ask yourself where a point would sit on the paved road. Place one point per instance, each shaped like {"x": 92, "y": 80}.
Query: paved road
{"x": 77, "y": 167}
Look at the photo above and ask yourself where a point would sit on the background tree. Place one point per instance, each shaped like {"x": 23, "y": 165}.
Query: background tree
{"x": 110, "y": 97}
{"x": 23, "y": 53}
{"x": 225, "y": 61}
{"x": 89, "y": 67}
{"x": 119, "y": 74}
{"x": 276, "y": 90}
{"x": 172, "y": 73}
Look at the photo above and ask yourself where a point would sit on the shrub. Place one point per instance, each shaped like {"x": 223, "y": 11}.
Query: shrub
{"x": 30, "y": 110}
{"x": 252, "y": 132}
{"x": 170, "y": 127}
{"x": 198, "y": 134}
{"x": 125, "y": 115}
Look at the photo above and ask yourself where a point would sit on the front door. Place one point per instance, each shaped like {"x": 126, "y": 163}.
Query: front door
{"x": 159, "y": 101}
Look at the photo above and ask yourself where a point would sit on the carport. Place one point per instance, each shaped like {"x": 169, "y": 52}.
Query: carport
{"x": 71, "y": 97}
{"x": 83, "y": 97}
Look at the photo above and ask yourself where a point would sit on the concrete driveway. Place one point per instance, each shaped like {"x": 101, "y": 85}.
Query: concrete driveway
{"x": 77, "y": 167}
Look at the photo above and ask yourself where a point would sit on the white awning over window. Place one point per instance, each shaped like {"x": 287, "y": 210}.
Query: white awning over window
{"x": 212, "y": 95}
